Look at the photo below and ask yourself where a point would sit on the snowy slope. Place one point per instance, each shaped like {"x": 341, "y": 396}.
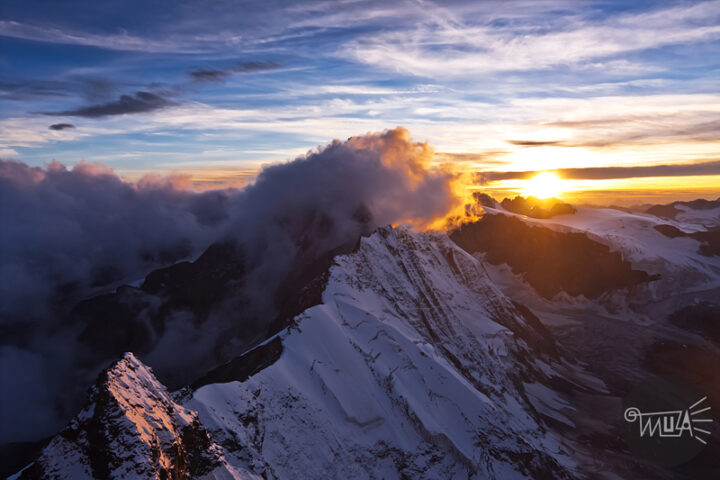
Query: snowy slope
{"x": 409, "y": 369}
{"x": 707, "y": 218}
{"x": 131, "y": 428}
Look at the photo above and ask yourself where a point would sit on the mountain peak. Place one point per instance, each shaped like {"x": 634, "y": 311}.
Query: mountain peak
{"x": 130, "y": 427}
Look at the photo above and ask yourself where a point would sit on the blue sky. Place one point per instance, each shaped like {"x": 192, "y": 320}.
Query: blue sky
{"x": 505, "y": 85}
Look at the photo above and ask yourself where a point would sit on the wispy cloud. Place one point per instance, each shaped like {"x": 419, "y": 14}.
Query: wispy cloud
{"x": 220, "y": 75}
{"x": 32, "y": 89}
{"x": 664, "y": 128}
{"x": 111, "y": 41}
{"x": 445, "y": 46}
{"x": 141, "y": 102}
{"x": 209, "y": 75}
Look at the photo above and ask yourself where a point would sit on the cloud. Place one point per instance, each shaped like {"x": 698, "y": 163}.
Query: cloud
{"x": 91, "y": 88}
{"x": 209, "y": 75}
{"x": 220, "y": 75}
{"x": 61, "y": 126}
{"x": 485, "y": 158}
{"x": 532, "y": 143}
{"x": 141, "y": 102}
{"x": 606, "y": 173}
{"x": 113, "y": 41}
{"x": 445, "y": 44}
{"x": 26, "y": 88}
{"x": 61, "y": 227}
{"x": 318, "y": 196}
{"x": 248, "y": 67}
{"x": 68, "y": 233}
{"x": 611, "y": 132}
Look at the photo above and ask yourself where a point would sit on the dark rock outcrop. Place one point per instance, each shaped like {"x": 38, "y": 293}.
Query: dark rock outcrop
{"x": 135, "y": 319}
{"x": 198, "y": 286}
{"x": 709, "y": 239}
{"x": 242, "y": 367}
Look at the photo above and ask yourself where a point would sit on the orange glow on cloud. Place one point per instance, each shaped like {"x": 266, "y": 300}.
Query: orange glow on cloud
{"x": 414, "y": 158}
{"x": 198, "y": 180}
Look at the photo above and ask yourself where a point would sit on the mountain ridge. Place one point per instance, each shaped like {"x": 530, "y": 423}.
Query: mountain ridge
{"x": 409, "y": 316}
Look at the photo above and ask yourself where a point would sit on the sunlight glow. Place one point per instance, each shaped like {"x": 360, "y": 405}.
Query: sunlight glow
{"x": 544, "y": 185}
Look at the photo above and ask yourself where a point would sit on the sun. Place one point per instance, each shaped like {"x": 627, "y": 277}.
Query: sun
{"x": 544, "y": 185}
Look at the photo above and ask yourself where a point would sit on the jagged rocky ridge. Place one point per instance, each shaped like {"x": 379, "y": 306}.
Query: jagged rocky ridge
{"x": 131, "y": 428}
{"x": 413, "y": 366}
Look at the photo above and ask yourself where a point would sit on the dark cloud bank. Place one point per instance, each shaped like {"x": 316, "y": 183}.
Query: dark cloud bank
{"x": 69, "y": 234}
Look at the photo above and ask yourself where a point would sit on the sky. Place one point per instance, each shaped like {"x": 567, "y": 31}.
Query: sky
{"x": 622, "y": 97}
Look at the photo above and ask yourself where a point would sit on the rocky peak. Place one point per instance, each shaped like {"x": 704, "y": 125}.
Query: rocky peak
{"x": 130, "y": 428}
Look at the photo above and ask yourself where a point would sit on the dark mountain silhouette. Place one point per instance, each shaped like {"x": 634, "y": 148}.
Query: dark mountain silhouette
{"x": 550, "y": 261}
{"x": 670, "y": 210}
{"x": 537, "y": 208}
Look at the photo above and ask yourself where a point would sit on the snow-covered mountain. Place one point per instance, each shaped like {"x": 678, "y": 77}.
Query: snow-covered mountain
{"x": 677, "y": 263}
{"x": 131, "y": 428}
{"x": 422, "y": 360}
{"x": 413, "y": 366}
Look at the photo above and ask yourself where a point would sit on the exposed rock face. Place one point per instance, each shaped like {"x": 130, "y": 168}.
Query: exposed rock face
{"x": 242, "y": 367}
{"x": 131, "y": 428}
{"x": 550, "y": 261}
{"x": 202, "y": 284}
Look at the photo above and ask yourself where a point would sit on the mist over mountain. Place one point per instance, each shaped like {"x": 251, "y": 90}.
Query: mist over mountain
{"x": 73, "y": 233}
